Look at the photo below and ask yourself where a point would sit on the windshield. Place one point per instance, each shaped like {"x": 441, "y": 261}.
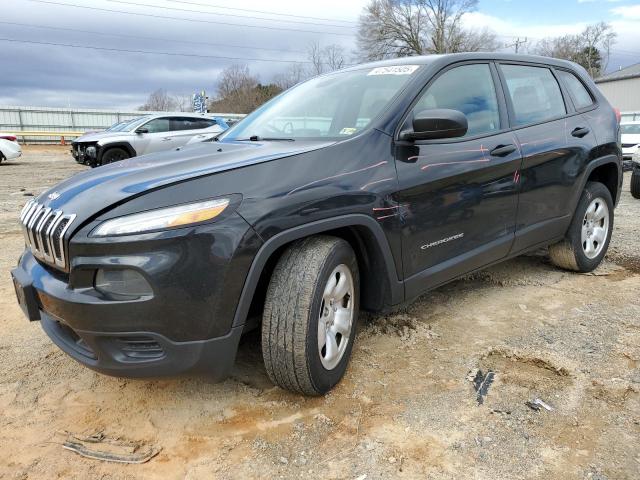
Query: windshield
{"x": 333, "y": 106}
{"x": 630, "y": 129}
{"x": 130, "y": 125}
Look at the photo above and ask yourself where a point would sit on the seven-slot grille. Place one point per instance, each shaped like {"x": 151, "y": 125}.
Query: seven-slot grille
{"x": 44, "y": 230}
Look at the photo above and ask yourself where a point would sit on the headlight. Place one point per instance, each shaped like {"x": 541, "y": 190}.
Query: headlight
{"x": 162, "y": 218}
{"x": 90, "y": 151}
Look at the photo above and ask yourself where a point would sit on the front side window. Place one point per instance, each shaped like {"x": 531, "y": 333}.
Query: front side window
{"x": 535, "y": 94}
{"x": 334, "y": 106}
{"x": 468, "y": 89}
{"x": 158, "y": 125}
{"x": 579, "y": 93}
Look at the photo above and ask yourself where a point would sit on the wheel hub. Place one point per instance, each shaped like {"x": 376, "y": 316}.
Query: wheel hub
{"x": 595, "y": 228}
{"x": 336, "y": 317}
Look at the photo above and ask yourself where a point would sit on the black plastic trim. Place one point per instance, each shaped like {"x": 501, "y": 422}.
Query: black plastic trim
{"x": 296, "y": 233}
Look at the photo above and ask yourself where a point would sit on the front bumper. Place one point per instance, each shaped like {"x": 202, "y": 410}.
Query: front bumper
{"x": 186, "y": 325}
{"x": 143, "y": 354}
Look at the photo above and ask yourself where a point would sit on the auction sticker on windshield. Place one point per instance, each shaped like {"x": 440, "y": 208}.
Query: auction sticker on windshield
{"x": 394, "y": 70}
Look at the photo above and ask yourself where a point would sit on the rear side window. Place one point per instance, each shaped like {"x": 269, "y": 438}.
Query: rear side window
{"x": 581, "y": 96}
{"x": 185, "y": 123}
{"x": 535, "y": 94}
{"x": 468, "y": 89}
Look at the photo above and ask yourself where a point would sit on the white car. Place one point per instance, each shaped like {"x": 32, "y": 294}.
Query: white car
{"x": 9, "y": 147}
{"x": 142, "y": 135}
{"x": 630, "y": 139}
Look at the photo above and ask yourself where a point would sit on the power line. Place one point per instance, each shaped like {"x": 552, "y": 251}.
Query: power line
{"x": 194, "y": 20}
{"x": 226, "y": 14}
{"x": 149, "y": 52}
{"x": 122, "y": 35}
{"x": 261, "y": 11}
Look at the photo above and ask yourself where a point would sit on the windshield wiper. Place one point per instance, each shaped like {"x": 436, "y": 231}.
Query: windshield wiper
{"x": 256, "y": 138}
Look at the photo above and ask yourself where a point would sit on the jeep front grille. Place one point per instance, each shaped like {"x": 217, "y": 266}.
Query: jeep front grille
{"x": 44, "y": 230}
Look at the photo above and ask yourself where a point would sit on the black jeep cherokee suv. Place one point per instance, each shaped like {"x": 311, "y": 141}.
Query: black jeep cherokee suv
{"x": 363, "y": 188}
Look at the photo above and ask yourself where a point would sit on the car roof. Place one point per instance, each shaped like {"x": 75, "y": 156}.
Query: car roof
{"x": 177, "y": 114}
{"x": 461, "y": 57}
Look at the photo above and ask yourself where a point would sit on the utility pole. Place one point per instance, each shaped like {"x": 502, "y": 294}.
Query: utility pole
{"x": 517, "y": 44}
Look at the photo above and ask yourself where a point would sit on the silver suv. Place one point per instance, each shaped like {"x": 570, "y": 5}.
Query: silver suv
{"x": 142, "y": 135}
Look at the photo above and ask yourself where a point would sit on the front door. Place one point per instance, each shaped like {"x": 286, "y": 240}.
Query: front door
{"x": 458, "y": 196}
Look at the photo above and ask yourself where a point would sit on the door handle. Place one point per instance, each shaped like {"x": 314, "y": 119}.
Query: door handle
{"x": 580, "y": 132}
{"x": 503, "y": 150}
{"x": 166, "y": 139}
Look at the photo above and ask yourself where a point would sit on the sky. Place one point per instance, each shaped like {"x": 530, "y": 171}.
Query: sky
{"x": 199, "y": 38}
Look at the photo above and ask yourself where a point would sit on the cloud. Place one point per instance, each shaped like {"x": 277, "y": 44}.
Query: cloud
{"x": 627, "y": 11}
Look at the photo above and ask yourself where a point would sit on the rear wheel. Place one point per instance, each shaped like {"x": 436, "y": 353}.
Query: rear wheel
{"x": 2, "y": 157}
{"x": 310, "y": 315}
{"x": 635, "y": 182}
{"x": 589, "y": 234}
{"x": 114, "y": 155}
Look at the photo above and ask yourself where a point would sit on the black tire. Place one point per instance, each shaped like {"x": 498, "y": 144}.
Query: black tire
{"x": 635, "y": 182}
{"x": 291, "y": 316}
{"x": 570, "y": 252}
{"x": 114, "y": 155}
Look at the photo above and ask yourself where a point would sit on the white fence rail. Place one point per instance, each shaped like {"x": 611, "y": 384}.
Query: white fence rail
{"x": 72, "y": 120}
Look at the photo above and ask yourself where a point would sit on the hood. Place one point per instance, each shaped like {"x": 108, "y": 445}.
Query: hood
{"x": 94, "y": 137}
{"x": 90, "y": 192}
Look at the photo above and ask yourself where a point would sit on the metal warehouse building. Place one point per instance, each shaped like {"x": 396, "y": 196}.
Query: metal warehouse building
{"x": 622, "y": 89}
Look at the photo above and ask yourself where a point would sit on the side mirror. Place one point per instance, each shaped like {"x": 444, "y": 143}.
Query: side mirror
{"x": 436, "y": 124}
{"x": 142, "y": 130}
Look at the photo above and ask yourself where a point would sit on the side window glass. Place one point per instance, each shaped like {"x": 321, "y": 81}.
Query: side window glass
{"x": 468, "y": 89}
{"x": 535, "y": 93}
{"x": 158, "y": 125}
{"x": 579, "y": 93}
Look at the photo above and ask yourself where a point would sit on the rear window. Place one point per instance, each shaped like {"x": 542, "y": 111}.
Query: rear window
{"x": 579, "y": 93}
{"x": 535, "y": 94}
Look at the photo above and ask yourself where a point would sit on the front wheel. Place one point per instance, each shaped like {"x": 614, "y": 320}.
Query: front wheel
{"x": 310, "y": 315}
{"x": 114, "y": 155}
{"x": 589, "y": 234}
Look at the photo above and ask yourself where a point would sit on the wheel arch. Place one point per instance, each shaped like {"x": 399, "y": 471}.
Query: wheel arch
{"x": 124, "y": 145}
{"x": 609, "y": 174}
{"x": 380, "y": 285}
{"x": 606, "y": 170}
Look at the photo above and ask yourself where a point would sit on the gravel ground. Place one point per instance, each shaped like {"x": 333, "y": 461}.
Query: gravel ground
{"x": 407, "y": 407}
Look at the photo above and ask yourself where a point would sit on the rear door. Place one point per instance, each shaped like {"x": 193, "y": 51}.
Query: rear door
{"x": 459, "y": 196}
{"x": 554, "y": 141}
{"x": 184, "y": 129}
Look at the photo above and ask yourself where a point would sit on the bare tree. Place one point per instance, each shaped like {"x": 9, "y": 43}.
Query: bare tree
{"x": 159, "y": 101}
{"x": 183, "y": 103}
{"x": 391, "y": 28}
{"x": 591, "y": 48}
{"x": 314, "y": 54}
{"x": 333, "y": 57}
{"x": 239, "y": 91}
{"x": 292, "y": 76}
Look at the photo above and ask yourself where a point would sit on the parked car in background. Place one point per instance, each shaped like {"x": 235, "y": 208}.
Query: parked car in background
{"x": 142, "y": 135}
{"x": 635, "y": 175}
{"x": 9, "y": 147}
{"x": 363, "y": 188}
{"x": 630, "y": 137}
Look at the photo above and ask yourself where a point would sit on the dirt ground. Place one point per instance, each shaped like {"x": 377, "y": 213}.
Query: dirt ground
{"x": 407, "y": 407}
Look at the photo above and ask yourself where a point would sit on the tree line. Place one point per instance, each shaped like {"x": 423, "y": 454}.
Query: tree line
{"x": 391, "y": 29}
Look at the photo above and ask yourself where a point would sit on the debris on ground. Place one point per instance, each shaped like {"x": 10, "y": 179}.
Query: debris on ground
{"x": 538, "y": 404}
{"x": 99, "y": 447}
{"x": 481, "y": 384}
